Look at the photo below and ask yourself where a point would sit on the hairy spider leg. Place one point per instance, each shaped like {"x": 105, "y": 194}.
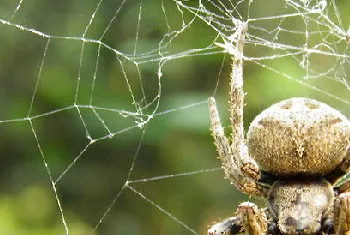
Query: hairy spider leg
{"x": 342, "y": 214}
{"x": 239, "y": 168}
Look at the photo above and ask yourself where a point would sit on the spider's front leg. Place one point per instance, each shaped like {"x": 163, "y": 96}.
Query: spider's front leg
{"x": 342, "y": 202}
{"x": 239, "y": 168}
{"x": 249, "y": 219}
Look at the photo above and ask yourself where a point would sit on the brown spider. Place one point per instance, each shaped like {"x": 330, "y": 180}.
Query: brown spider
{"x": 295, "y": 155}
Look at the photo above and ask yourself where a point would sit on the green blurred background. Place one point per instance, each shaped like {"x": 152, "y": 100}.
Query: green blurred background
{"x": 175, "y": 141}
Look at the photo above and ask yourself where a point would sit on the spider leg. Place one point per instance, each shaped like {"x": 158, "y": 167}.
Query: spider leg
{"x": 229, "y": 226}
{"x": 250, "y": 220}
{"x": 254, "y": 219}
{"x": 243, "y": 174}
{"x": 342, "y": 214}
{"x": 239, "y": 168}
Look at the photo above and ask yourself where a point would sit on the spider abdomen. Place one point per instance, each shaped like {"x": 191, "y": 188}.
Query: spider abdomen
{"x": 299, "y": 136}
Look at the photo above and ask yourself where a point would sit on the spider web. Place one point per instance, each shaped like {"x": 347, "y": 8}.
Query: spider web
{"x": 104, "y": 115}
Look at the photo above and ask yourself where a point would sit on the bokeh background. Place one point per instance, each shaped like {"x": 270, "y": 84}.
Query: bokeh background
{"x": 47, "y": 115}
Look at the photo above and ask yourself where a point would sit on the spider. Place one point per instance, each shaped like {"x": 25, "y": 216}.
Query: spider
{"x": 295, "y": 155}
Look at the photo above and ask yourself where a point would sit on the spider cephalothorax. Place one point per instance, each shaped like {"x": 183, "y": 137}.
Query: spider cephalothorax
{"x": 295, "y": 154}
{"x": 302, "y": 206}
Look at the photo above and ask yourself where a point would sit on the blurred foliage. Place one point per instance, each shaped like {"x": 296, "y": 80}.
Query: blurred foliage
{"x": 33, "y": 211}
{"x": 176, "y": 140}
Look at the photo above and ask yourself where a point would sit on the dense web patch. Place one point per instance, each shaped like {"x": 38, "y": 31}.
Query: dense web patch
{"x": 104, "y": 115}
